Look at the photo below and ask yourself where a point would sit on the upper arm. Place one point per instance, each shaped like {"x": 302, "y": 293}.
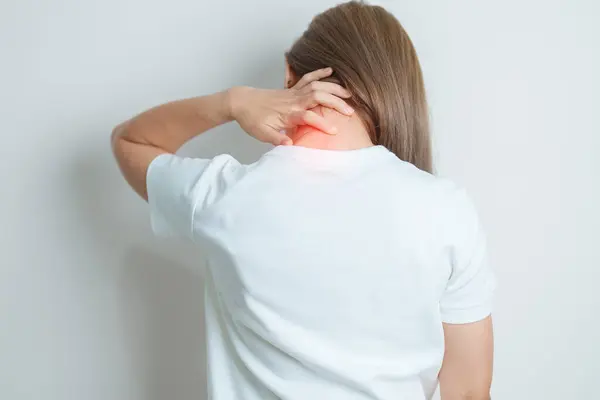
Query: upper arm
{"x": 471, "y": 282}
{"x": 466, "y": 307}
{"x": 468, "y": 360}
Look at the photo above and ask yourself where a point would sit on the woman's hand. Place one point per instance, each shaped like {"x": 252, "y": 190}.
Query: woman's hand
{"x": 267, "y": 114}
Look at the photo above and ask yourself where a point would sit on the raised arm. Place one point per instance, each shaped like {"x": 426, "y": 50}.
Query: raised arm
{"x": 262, "y": 113}
{"x": 466, "y": 372}
{"x": 164, "y": 129}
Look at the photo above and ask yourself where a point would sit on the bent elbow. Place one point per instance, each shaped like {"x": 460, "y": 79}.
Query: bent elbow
{"x": 116, "y": 132}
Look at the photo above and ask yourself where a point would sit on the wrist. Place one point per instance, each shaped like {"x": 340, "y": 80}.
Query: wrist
{"x": 233, "y": 100}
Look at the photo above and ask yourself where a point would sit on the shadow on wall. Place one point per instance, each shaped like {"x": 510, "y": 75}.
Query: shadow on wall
{"x": 159, "y": 284}
{"x": 165, "y": 330}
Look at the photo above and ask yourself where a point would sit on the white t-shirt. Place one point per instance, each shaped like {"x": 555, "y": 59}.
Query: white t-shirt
{"x": 329, "y": 272}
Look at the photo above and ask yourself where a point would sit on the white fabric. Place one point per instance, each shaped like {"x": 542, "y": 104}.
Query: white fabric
{"x": 329, "y": 272}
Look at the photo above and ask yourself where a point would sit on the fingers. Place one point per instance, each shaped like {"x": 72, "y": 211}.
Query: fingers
{"x": 328, "y": 100}
{"x": 278, "y": 138}
{"x": 316, "y": 121}
{"x": 286, "y": 141}
{"x": 327, "y": 94}
{"x": 313, "y": 76}
{"x": 328, "y": 87}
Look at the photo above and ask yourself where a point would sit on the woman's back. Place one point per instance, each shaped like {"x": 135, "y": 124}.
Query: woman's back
{"x": 330, "y": 272}
{"x": 339, "y": 267}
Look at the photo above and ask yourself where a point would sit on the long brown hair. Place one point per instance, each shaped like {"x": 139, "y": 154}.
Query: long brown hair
{"x": 373, "y": 57}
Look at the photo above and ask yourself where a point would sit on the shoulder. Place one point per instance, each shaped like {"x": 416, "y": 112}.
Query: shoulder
{"x": 448, "y": 202}
{"x": 189, "y": 170}
{"x": 442, "y": 192}
{"x": 459, "y": 223}
{"x": 190, "y": 180}
{"x": 455, "y": 204}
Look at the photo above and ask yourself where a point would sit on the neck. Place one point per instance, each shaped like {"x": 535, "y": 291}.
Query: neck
{"x": 351, "y": 135}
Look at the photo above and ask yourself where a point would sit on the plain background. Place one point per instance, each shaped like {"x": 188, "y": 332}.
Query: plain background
{"x": 93, "y": 307}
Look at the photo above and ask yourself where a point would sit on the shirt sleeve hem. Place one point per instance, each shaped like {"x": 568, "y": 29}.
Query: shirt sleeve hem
{"x": 467, "y": 315}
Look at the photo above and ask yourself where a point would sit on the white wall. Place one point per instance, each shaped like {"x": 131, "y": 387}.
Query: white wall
{"x": 92, "y": 307}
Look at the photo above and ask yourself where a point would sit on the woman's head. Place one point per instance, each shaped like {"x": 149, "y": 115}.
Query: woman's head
{"x": 373, "y": 57}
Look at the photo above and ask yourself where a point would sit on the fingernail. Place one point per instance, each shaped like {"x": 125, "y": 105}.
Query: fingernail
{"x": 349, "y": 110}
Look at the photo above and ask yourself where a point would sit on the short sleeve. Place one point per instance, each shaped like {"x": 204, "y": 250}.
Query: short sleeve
{"x": 470, "y": 287}
{"x": 181, "y": 187}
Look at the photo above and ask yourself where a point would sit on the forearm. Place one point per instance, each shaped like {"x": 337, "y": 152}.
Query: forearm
{"x": 170, "y": 125}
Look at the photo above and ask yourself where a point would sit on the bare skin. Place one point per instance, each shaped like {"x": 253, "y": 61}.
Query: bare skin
{"x": 466, "y": 372}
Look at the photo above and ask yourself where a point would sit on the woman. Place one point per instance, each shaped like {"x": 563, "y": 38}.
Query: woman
{"x": 338, "y": 266}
